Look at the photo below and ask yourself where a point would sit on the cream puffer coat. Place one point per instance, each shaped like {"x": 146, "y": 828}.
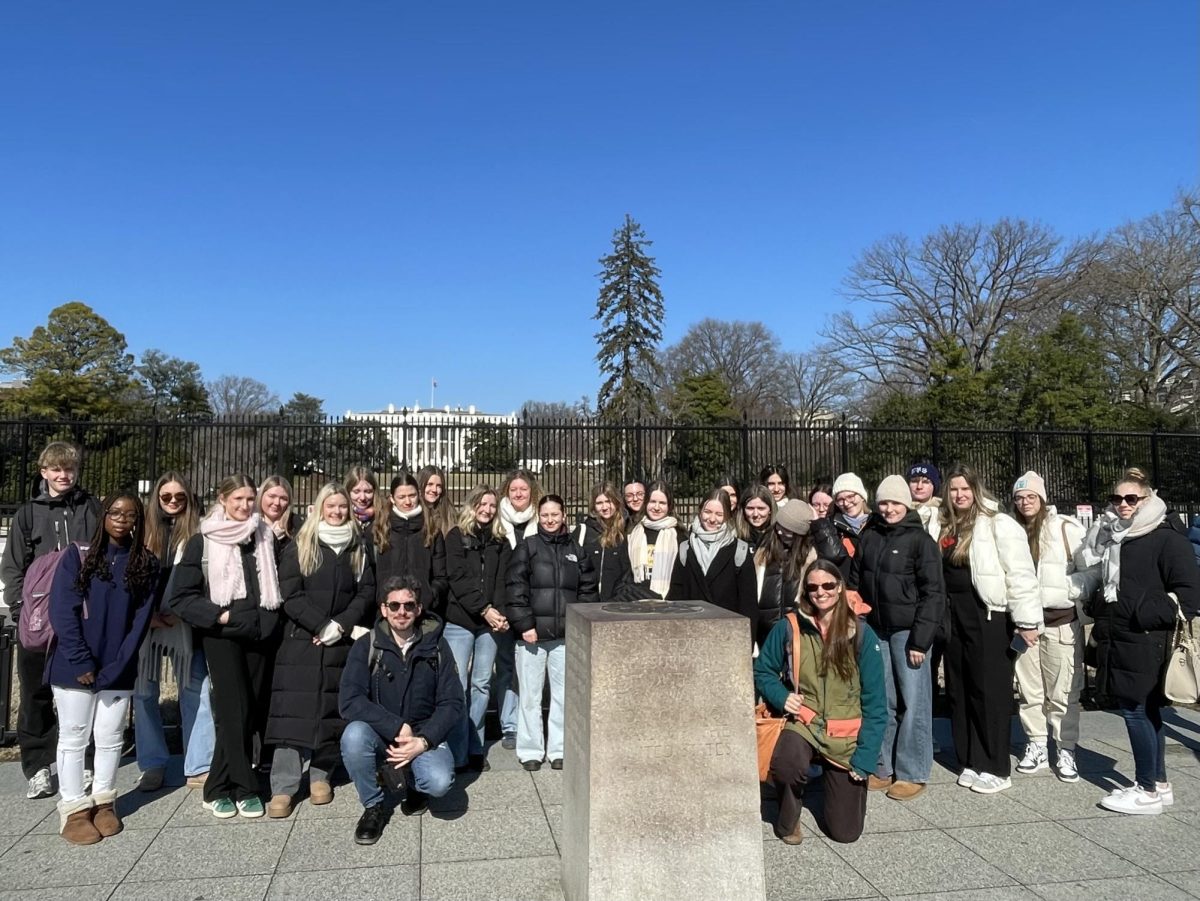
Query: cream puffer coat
{"x": 1002, "y": 569}
{"x": 1064, "y": 578}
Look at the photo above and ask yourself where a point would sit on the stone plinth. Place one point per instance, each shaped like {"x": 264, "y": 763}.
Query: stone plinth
{"x": 661, "y": 797}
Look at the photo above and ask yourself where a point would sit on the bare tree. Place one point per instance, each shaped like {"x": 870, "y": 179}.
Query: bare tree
{"x": 818, "y": 386}
{"x": 1142, "y": 294}
{"x": 747, "y": 357}
{"x": 234, "y": 396}
{"x": 964, "y": 284}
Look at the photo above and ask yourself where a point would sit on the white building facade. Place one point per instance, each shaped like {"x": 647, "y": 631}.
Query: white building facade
{"x": 437, "y": 437}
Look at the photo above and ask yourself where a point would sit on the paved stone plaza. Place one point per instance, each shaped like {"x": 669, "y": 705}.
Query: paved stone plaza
{"x": 497, "y": 837}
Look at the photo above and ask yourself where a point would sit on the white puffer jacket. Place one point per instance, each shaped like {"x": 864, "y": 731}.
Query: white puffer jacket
{"x": 1002, "y": 569}
{"x": 1063, "y": 580}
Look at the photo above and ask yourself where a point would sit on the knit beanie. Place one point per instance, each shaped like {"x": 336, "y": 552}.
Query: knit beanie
{"x": 927, "y": 470}
{"x": 1031, "y": 481}
{"x": 894, "y": 488}
{"x": 796, "y": 516}
{"x": 848, "y": 481}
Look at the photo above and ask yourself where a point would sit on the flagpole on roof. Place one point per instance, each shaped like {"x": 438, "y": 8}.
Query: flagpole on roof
{"x": 432, "y": 388}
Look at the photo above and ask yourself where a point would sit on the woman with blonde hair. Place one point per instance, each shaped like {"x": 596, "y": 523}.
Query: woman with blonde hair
{"x": 602, "y": 534}
{"x": 1050, "y": 673}
{"x": 477, "y": 557}
{"x": 1149, "y": 577}
{"x": 992, "y": 597}
{"x": 226, "y": 588}
{"x": 714, "y": 565}
{"x": 362, "y": 487}
{"x": 172, "y": 518}
{"x": 327, "y": 579}
{"x": 274, "y": 505}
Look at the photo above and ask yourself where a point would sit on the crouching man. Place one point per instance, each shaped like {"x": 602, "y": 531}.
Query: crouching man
{"x": 401, "y": 698}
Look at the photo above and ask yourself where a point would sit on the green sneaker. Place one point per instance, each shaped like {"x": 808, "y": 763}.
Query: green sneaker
{"x": 222, "y": 808}
{"x": 250, "y": 807}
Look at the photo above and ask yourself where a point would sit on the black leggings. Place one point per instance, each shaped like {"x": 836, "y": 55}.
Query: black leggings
{"x": 241, "y": 695}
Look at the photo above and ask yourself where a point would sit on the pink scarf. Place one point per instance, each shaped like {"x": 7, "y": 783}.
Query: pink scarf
{"x": 226, "y": 579}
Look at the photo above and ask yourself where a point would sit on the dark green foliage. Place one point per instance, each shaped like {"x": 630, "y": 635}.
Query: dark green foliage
{"x": 490, "y": 448}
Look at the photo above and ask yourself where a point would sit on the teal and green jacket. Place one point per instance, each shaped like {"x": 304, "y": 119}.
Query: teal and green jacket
{"x": 844, "y": 721}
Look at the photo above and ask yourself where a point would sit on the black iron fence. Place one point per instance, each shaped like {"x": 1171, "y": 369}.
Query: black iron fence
{"x": 569, "y": 456}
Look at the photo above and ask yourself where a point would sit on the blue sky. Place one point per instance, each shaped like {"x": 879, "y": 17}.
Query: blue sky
{"x": 351, "y": 199}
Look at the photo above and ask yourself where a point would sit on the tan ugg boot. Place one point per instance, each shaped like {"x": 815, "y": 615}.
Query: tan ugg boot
{"x": 105, "y": 817}
{"x": 75, "y": 822}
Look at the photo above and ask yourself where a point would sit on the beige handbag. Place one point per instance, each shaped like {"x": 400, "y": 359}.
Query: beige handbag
{"x": 1181, "y": 681}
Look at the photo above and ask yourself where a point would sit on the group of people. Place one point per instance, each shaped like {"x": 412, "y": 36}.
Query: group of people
{"x": 372, "y": 634}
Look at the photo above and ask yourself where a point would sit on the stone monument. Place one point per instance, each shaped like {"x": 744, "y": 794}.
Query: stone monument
{"x": 661, "y": 796}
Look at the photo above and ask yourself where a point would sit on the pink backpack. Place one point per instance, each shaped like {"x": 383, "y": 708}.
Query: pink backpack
{"x": 34, "y": 629}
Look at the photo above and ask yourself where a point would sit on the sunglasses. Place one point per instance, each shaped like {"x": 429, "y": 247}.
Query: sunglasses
{"x": 1131, "y": 499}
{"x": 822, "y": 586}
{"x": 406, "y": 606}
{"x": 179, "y": 498}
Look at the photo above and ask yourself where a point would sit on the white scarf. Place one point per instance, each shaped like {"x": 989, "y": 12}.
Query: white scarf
{"x": 514, "y": 520}
{"x": 336, "y": 538}
{"x": 223, "y": 538}
{"x": 666, "y": 549}
{"x": 1110, "y": 531}
{"x": 407, "y": 514}
{"x": 706, "y": 544}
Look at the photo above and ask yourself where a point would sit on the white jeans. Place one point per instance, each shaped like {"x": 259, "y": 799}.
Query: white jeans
{"x": 533, "y": 660}
{"x": 1050, "y": 678}
{"x": 82, "y": 715}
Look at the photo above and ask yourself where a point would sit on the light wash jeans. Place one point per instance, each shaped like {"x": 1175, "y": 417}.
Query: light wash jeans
{"x": 474, "y": 656}
{"x": 85, "y": 715}
{"x": 502, "y": 685}
{"x": 363, "y": 751}
{"x": 533, "y": 660}
{"x": 195, "y": 709}
{"x": 908, "y": 738}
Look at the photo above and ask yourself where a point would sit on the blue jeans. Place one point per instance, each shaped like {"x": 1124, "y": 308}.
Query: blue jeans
{"x": 432, "y": 773}
{"x": 533, "y": 661}
{"x": 908, "y": 739}
{"x": 474, "y": 656}
{"x": 199, "y": 733}
{"x": 1144, "y": 724}
{"x": 507, "y": 700}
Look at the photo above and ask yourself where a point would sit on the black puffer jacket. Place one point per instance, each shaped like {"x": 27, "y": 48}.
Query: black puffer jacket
{"x": 42, "y": 525}
{"x": 836, "y": 541}
{"x": 548, "y": 572}
{"x": 1133, "y": 635}
{"x": 421, "y": 689}
{"x": 304, "y": 689}
{"x": 776, "y": 596}
{"x": 477, "y": 562}
{"x": 898, "y": 571}
{"x": 189, "y": 600}
{"x": 407, "y": 554}
{"x": 614, "y": 575}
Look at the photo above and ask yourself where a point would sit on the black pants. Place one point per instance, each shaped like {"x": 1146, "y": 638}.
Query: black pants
{"x": 845, "y": 800}
{"x": 979, "y": 683}
{"x": 37, "y": 723}
{"x": 241, "y": 695}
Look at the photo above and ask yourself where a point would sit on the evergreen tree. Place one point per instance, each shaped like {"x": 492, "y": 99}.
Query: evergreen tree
{"x": 630, "y": 311}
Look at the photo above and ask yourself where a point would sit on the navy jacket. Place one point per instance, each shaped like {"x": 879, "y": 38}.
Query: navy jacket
{"x": 105, "y": 641}
{"x": 422, "y": 691}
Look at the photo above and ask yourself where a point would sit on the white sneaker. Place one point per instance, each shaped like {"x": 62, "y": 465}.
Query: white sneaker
{"x": 967, "y": 778}
{"x": 1134, "y": 800}
{"x": 41, "y": 785}
{"x": 1035, "y": 758}
{"x": 1065, "y": 766}
{"x": 987, "y": 784}
{"x": 1165, "y": 793}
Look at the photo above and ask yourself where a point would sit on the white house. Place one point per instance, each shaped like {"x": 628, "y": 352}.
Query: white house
{"x": 431, "y": 436}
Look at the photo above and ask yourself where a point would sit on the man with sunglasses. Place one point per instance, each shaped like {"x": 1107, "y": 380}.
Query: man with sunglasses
{"x": 401, "y": 698}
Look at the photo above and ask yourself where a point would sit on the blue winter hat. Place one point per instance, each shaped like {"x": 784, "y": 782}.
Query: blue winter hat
{"x": 929, "y": 471}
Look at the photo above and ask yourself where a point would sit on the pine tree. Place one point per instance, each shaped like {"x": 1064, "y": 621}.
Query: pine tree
{"x": 630, "y": 311}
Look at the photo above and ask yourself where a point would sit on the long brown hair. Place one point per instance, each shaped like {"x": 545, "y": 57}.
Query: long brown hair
{"x": 839, "y": 644}
{"x": 763, "y": 493}
{"x": 612, "y": 529}
{"x": 442, "y": 514}
{"x": 159, "y": 528}
{"x": 382, "y": 526}
{"x": 961, "y": 525}
{"x": 1033, "y": 528}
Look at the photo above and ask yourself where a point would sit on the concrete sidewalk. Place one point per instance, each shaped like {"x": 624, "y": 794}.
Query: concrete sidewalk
{"x": 497, "y": 837}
